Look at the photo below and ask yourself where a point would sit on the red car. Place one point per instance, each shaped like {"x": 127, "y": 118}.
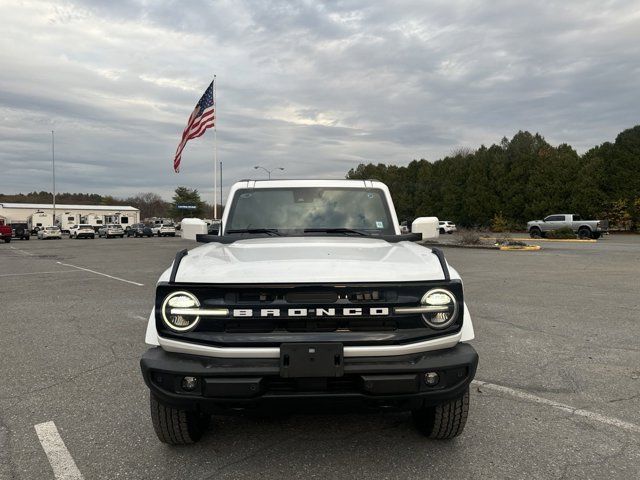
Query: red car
{"x": 5, "y": 231}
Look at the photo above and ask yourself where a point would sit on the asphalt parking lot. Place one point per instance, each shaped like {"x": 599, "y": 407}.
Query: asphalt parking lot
{"x": 558, "y": 393}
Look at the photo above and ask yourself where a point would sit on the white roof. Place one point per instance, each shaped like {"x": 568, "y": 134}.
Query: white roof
{"x": 62, "y": 206}
{"x": 309, "y": 182}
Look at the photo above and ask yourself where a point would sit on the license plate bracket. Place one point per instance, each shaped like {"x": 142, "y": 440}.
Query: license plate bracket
{"x": 311, "y": 360}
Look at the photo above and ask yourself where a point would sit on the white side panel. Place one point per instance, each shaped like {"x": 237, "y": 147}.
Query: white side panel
{"x": 467, "y": 327}
{"x": 151, "y": 337}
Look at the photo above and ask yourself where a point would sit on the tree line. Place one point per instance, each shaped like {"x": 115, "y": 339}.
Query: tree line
{"x": 518, "y": 180}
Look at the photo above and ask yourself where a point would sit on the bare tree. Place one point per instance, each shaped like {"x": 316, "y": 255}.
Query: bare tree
{"x": 150, "y": 204}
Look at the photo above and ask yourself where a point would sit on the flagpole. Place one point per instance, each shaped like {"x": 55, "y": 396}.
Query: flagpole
{"x": 215, "y": 151}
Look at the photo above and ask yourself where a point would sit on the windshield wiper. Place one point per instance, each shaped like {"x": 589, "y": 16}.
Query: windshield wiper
{"x": 268, "y": 231}
{"x": 344, "y": 231}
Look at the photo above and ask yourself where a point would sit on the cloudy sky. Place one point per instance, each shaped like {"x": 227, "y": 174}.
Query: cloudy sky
{"x": 315, "y": 88}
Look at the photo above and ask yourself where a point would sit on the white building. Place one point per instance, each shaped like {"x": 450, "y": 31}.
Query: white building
{"x": 67, "y": 215}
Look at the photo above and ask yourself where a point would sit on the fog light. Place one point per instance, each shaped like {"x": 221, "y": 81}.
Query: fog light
{"x": 189, "y": 384}
{"x": 431, "y": 378}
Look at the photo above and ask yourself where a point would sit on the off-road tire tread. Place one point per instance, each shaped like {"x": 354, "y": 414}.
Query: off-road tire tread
{"x": 175, "y": 426}
{"x": 444, "y": 421}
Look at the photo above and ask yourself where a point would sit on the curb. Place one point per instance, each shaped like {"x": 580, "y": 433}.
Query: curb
{"x": 528, "y": 248}
{"x": 566, "y": 240}
{"x": 455, "y": 245}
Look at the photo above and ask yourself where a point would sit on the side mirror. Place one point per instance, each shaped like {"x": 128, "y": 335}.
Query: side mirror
{"x": 427, "y": 227}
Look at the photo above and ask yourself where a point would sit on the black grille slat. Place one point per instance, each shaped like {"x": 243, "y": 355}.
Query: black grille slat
{"x": 307, "y": 325}
{"x": 320, "y": 298}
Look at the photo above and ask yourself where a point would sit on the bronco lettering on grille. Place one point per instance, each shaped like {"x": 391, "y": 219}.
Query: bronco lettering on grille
{"x": 311, "y": 312}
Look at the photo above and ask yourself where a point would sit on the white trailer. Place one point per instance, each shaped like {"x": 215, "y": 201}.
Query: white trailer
{"x": 67, "y": 215}
{"x": 93, "y": 219}
{"x": 66, "y": 219}
{"x": 38, "y": 220}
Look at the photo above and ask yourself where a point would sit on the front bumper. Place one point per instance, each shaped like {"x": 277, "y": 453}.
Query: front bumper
{"x": 225, "y": 383}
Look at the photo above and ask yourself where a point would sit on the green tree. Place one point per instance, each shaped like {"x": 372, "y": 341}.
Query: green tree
{"x": 186, "y": 196}
{"x": 524, "y": 178}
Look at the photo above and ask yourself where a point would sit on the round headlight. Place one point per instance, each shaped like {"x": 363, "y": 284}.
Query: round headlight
{"x": 445, "y": 308}
{"x": 179, "y": 301}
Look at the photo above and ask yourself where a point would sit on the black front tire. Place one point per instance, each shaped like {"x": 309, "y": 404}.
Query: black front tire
{"x": 175, "y": 426}
{"x": 584, "y": 233}
{"x": 444, "y": 421}
{"x": 7, "y": 240}
{"x": 535, "y": 233}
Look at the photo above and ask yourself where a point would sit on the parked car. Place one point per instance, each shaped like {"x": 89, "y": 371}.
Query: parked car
{"x": 156, "y": 222}
{"x": 82, "y": 230}
{"x": 327, "y": 303}
{"x": 48, "y": 233}
{"x": 446, "y": 227}
{"x": 111, "y": 230}
{"x": 38, "y": 220}
{"x": 139, "y": 230}
{"x": 20, "y": 231}
{"x": 584, "y": 228}
{"x": 5, "y": 231}
{"x": 166, "y": 230}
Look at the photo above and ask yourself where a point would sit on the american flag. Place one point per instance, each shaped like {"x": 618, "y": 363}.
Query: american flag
{"x": 202, "y": 117}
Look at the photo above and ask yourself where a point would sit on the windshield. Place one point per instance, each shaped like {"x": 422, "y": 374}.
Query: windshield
{"x": 310, "y": 207}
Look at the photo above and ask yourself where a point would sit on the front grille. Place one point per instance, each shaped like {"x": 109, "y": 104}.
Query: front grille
{"x": 264, "y": 315}
{"x": 300, "y": 326}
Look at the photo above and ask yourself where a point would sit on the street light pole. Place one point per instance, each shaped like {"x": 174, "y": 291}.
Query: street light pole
{"x": 267, "y": 170}
{"x": 53, "y": 167}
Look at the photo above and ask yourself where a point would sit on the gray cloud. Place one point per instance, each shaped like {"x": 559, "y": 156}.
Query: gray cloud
{"x": 315, "y": 88}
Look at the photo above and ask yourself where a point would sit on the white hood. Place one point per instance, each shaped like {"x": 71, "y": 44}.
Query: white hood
{"x": 309, "y": 260}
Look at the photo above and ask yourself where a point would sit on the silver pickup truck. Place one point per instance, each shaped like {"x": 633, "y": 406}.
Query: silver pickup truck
{"x": 584, "y": 228}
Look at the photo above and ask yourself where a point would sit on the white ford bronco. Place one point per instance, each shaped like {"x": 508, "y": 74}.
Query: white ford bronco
{"x": 309, "y": 295}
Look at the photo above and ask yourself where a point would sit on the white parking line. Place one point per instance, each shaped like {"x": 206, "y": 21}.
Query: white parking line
{"x": 612, "y": 421}
{"x": 100, "y": 273}
{"x": 36, "y": 273}
{"x": 21, "y": 251}
{"x": 64, "y": 468}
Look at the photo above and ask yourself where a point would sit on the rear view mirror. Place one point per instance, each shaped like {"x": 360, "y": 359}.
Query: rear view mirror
{"x": 427, "y": 227}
